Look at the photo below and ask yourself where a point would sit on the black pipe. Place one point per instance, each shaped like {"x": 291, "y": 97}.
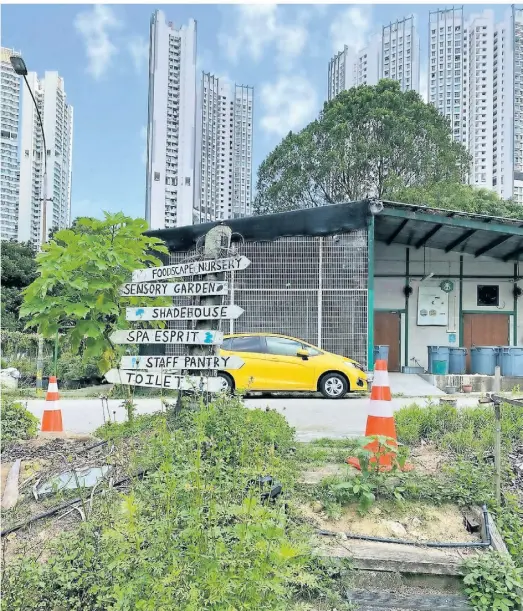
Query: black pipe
{"x": 58, "y": 508}
{"x": 486, "y": 543}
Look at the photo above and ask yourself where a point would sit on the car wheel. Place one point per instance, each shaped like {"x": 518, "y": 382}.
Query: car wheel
{"x": 227, "y": 382}
{"x": 333, "y": 386}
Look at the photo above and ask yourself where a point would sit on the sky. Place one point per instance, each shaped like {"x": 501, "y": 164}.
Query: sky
{"x": 101, "y": 51}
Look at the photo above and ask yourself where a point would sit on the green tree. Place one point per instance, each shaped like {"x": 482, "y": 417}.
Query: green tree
{"x": 18, "y": 271}
{"x": 368, "y": 141}
{"x": 456, "y": 196}
{"x": 80, "y": 273}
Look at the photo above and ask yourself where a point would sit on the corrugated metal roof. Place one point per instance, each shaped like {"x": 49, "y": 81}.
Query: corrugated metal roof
{"x": 449, "y": 230}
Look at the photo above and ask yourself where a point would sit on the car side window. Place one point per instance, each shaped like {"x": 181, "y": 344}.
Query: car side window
{"x": 247, "y": 344}
{"x": 282, "y": 346}
{"x": 312, "y": 351}
{"x": 227, "y": 344}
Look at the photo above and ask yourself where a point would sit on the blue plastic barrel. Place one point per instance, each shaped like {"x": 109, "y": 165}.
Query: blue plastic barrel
{"x": 438, "y": 360}
{"x": 458, "y": 361}
{"x": 381, "y": 353}
{"x": 483, "y": 360}
{"x": 511, "y": 361}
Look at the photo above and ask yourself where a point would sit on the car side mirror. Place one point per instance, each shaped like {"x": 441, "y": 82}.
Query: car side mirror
{"x": 303, "y": 353}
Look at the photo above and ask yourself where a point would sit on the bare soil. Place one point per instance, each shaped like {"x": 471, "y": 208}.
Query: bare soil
{"x": 420, "y": 521}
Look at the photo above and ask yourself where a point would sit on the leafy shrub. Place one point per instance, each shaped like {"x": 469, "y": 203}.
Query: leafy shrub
{"x": 192, "y": 535}
{"x": 71, "y": 366}
{"x": 17, "y": 422}
{"x": 493, "y": 582}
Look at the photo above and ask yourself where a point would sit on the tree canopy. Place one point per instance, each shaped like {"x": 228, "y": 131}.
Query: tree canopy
{"x": 367, "y": 142}
{"x": 18, "y": 271}
{"x": 80, "y": 274}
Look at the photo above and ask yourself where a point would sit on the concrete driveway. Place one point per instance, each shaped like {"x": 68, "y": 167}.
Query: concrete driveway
{"x": 313, "y": 417}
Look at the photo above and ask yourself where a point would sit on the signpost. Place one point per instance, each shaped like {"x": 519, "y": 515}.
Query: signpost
{"x": 160, "y": 379}
{"x": 167, "y": 371}
{"x": 181, "y": 362}
{"x": 159, "y": 289}
{"x": 194, "y": 268}
{"x": 214, "y": 312}
{"x": 167, "y": 336}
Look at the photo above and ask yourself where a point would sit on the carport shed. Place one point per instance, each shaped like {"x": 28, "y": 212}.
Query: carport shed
{"x": 328, "y": 274}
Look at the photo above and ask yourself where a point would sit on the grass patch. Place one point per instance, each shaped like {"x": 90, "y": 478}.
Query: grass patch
{"x": 193, "y": 534}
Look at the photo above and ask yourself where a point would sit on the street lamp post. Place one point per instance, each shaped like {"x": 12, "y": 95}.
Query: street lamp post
{"x": 21, "y": 69}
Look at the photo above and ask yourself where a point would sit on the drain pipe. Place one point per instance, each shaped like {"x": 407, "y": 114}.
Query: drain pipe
{"x": 486, "y": 543}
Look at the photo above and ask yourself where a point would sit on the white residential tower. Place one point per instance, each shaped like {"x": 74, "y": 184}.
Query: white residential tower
{"x": 392, "y": 54}
{"x": 9, "y": 166}
{"x": 57, "y": 117}
{"x": 171, "y": 126}
{"x": 225, "y": 155}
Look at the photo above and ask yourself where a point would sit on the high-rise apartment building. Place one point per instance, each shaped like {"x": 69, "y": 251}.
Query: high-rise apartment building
{"x": 57, "y": 117}
{"x": 9, "y": 166}
{"x": 392, "y": 54}
{"x": 447, "y": 68}
{"x": 474, "y": 79}
{"x": 225, "y": 130}
{"x": 517, "y": 71}
{"x": 171, "y": 126}
{"x": 400, "y": 53}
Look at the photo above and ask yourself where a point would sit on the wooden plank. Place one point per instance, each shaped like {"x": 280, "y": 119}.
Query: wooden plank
{"x": 167, "y": 336}
{"x": 157, "y": 379}
{"x": 10, "y": 496}
{"x": 391, "y": 600}
{"x": 171, "y": 289}
{"x": 181, "y": 362}
{"x": 194, "y": 268}
{"x": 213, "y": 312}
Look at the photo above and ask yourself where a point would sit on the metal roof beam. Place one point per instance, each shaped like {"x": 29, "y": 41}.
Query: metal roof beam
{"x": 491, "y": 245}
{"x": 396, "y": 232}
{"x": 462, "y": 238}
{"x": 428, "y": 235}
{"x": 464, "y": 223}
{"x": 514, "y": 254}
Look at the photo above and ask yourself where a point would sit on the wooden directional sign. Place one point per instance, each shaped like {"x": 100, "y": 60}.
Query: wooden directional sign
{"x": 194, "y": 268}
{"x": 213, "y": 312}
{"x": 181, "y": 362}
{"x": 167, "y": 336}
{"x": 159, "y": 379}
{"x": 158, "y": 289}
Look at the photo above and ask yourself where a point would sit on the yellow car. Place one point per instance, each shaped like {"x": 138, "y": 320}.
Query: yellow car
{"x": 279, "y": 363}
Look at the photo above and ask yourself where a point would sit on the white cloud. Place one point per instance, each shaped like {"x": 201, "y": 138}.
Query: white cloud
{"x": 259, "y": 26}
{"x": 351, "y": 27}
{"x": 288, "y": 104}
{"x": 143, "y": 137}
{"x": 138, "y": 47}
{"x": 95, "y": 27}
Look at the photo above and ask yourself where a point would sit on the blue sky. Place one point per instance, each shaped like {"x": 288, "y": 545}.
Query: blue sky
{"x": 102, "y": 54}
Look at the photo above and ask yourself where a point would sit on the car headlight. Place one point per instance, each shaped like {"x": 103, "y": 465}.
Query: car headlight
{"x": 350, "y": 364}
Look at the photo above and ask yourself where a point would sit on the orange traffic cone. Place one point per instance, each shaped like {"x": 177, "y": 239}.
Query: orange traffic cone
{"x": 380, "y": 420}
{"x": 52, "y": 416}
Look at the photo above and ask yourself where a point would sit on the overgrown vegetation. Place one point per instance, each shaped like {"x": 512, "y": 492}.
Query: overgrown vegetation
{"x": 16, "y": 421}
{"x": 493, "y": 583}
{"x": 194, "y": 533}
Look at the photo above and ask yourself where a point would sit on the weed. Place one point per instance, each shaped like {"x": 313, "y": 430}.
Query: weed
{"x": 492, "y": 582}
{"x": 17, "y": 422}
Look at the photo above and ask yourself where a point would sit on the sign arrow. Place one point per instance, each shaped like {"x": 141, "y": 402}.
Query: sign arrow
{"x": 213, "y": 312}
{"x": 159, "y": 289}
{"x": 167, "y": 336}
{"x": 194, "y": 268}
{"x": 157, "y": 379}
{"x": 200, "y": 362}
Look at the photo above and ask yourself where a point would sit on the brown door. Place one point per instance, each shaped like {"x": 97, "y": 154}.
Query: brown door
{"x": 485, "y": 330}
{"x": 387, "y": 332}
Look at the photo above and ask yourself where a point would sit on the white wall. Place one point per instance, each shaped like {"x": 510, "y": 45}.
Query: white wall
{"x": 388, "y": 292}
